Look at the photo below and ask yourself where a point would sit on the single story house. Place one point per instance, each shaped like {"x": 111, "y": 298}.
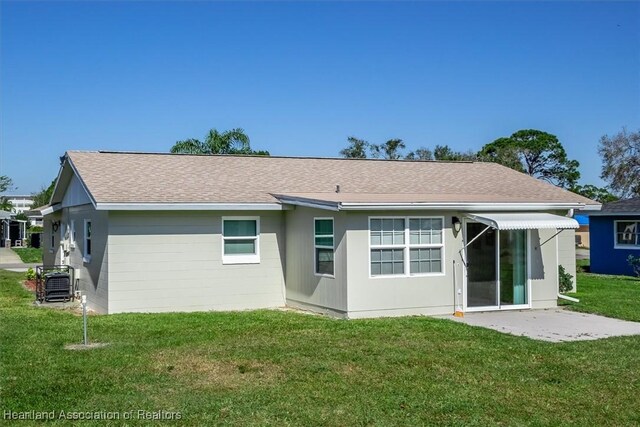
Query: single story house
{"x": 13, "y": 232}
{"x": 347, "y": 237}
{"x": 615, "y": 234}
{"x": 582, "y": 233}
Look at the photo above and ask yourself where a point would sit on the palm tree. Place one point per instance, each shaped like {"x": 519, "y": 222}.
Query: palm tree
{"x": 233, "y": 141}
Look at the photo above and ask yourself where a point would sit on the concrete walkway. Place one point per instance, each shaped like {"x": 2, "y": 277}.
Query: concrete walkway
{"x": 555, "y": 325}
{"x": 9, "y": 260}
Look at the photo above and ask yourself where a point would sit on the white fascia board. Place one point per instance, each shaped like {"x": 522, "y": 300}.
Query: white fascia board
{"x": 335, "y": 207}
{"x": 51, "y": 209}
{"x": 461, "y": 206}
{"x": 190, "y": 207}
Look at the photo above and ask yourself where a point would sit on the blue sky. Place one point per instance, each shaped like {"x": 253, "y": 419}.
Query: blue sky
{"x": 301, "y": 77}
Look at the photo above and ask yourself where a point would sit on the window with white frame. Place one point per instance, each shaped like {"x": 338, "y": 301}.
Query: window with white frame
{"x": 406, "y": 246}
{"x": 323, "y": 242}
{"x": 240, "y": 240}
{"x": 628, "y": 234}
{"x": 87, "y": 241}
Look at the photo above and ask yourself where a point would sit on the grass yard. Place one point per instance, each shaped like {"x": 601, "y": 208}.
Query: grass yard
{"x": 29, "y": 255}
{"x": 612, "y": 296}
{"x": 284, "y": 368}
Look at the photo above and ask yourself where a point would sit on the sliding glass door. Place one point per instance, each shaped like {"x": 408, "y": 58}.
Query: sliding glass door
{"x": 496, "y": 261}
{"x": 482, "y": 279}
{"x": 513, "y": 267}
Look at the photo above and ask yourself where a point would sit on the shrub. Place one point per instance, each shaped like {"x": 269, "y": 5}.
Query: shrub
{"x": 566, "y": 280}
{"x": 30, "y": 274}
{"x": 634, "y": 262}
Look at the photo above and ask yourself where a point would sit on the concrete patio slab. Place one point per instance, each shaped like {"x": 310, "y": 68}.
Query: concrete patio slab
{"x": 555, "y": 325}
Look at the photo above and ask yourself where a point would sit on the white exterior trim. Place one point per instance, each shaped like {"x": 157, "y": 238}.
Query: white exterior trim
{"x": 51, "y": 209}
{"x": 460, "y": 206}
{"x": 190, "y": 207}
{"x": 241, "y": 258}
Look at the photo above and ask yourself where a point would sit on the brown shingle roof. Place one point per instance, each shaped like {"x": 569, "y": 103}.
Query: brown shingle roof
{"x": 175, "y": 178}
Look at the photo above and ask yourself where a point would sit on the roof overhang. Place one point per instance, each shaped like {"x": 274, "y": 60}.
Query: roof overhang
{"x": 333, "y": 205}
{"x": 524, "y": 221}
{"x": 46, "y": 210}
{"x": 191, "y": 207}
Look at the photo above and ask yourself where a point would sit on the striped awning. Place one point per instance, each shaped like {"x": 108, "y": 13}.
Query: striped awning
{"x": 524, "y": 221}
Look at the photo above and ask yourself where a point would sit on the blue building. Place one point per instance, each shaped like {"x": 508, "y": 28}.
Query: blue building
{"x": 615, "y": 234}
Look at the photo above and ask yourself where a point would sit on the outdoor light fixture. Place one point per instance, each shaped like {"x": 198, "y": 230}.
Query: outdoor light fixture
{"x": 457, "y": 225}
{"x": 55, "y": 225}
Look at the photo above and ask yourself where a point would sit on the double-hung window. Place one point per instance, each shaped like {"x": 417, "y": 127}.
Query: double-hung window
{"x": 240, "y": 240}
{"x": 324, "y": 246}
{"x": 627, "y": 234}
{"x": 406, "y": 246}
{"x": 87, "y": 241}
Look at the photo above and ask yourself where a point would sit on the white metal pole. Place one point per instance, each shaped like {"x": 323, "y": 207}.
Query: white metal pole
{"x": 84, "y": 318}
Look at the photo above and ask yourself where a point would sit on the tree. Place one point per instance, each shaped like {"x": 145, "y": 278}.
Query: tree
{"x": 621, "y": 162}
{"x": 5, "y": 184}
{"x": 444, "y": 152}
{"x": 357, "y": 149}
{"x": 535, "y": 153}
{"x": 233, "y": 141}
{"x": 390, "y": 150}
{"x": 421, "y": 153}
{"x": 592, "y": 192}
{"x": 43, "y": 197}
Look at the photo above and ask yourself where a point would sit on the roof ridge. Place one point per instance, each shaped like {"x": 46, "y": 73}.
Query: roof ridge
{"x": 160, "y": 153}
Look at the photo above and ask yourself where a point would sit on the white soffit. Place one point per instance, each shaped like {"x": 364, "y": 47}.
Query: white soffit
{"x": 524, "y": 221}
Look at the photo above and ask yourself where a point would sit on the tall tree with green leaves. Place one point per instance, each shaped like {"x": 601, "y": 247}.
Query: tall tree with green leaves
{"x": 5, "y": 184}
{"x": 421, "y": 153}
{"x": 390, "y": 150}
{"x": 535, "y": 153}
{"x": 593, "y": 192}
{"x": 43, "y": 197}
{"x": 621, "y": 162}
{"x": 444, "y": 152}
{"x": 234, "y": 141}
{"x": 357, "y": 148}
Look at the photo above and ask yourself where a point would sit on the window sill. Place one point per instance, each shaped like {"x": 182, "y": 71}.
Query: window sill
{"x": 86, "y": 259}
{"x": 328, "y": 276}
{"x": 627, "y": 247}
{"x": 240, "y": 259}
{"x": 406, "y": 276}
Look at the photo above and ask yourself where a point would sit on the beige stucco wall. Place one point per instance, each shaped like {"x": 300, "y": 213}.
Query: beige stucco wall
{"x": 567, "y": 253}
{"x": 172, "y": 261}
{"x": 397, "y": 296}
{"x": 543, "y": 269}
{"x": 305, "y": 289}
{"x": 93, "y": 275}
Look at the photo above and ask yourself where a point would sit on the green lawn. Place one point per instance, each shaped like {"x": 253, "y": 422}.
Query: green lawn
{"x": 612, "y": 296}
{"x": 29, "y": 255}
{"x": 284, "y": 368}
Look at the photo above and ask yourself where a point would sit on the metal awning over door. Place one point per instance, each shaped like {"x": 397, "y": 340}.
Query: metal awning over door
{"x": 524, "y": 221}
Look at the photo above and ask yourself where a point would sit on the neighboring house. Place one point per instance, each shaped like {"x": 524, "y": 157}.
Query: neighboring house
{"x": 615, "y": 234}
{"x": 20, "y": 203}
{"x": 348, "y": 237}
{"x": 582, "y": 233}
{"x": 12, "y": 231}
{"x": 34, "y": 217}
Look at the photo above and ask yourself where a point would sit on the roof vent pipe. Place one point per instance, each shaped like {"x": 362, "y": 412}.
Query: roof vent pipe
{"x": 338, "y": 188}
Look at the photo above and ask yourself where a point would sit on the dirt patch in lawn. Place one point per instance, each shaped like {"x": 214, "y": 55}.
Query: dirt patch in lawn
{"x": 203, "y": 371}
